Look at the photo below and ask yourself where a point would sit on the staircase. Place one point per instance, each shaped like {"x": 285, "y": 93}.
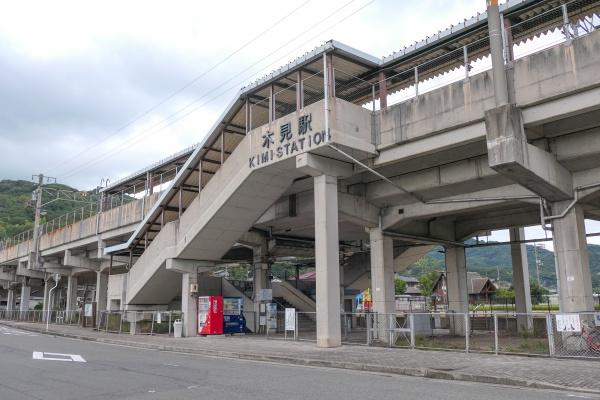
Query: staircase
{"x": 306, "y": 322}
{"x": 357, "y": 267}
{"x": 234, "y": 198}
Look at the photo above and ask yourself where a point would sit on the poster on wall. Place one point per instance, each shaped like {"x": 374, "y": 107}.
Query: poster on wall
{"x": 568, "y": 323}
{"x": 87, "y": 311}
{"x": 597, "y": 319}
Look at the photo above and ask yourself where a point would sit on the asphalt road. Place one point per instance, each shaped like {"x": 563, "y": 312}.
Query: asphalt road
{"x": 115, "y": 372}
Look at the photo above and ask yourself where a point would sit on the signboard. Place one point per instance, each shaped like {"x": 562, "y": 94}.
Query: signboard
{"x": 87, "y": 311}
{"x": 597, "y": 319}
{"x": 568, "y": 323}
{"x": 286, "y": 137}
{"x": 265, "y": 295}
{"x": 290, "y": 319}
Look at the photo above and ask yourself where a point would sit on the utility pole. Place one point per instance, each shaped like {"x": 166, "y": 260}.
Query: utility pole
{"x": 34, "y": 256}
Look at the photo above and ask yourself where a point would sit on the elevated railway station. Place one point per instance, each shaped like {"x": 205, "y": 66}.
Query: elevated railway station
{"x": 362, "y": 165}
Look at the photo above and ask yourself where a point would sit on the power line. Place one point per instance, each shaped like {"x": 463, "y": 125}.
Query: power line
{"x": 117, "y": 149}
{"x": 184, "y": 87}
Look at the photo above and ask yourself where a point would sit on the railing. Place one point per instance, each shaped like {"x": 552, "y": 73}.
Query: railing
{"x": 308, "y": 90}
{"x": 58, "y": 317}
{"x": 130, "y": 322}
{"x": 139, "y": 322}
{"x": 463, "y": 62}
{"x": 556, "y": 335}
{"x": 108, "y": 202}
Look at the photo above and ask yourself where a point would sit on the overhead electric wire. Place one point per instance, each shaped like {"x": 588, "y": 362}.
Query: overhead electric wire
{"x": 141, "y": 135}
{"x": 184, "y": 87}
{"x": 117, "y": 149}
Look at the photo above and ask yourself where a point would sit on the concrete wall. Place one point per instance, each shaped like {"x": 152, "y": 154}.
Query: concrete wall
{"x": 557, "y": 70}
{"x": 152, "y": 259}
{"x": 538, "y": 78}
{"x": 457, "y": 104}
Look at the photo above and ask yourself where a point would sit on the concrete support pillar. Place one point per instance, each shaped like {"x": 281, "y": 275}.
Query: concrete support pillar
{"x": 497, "y": 53}
{"x": 382, "y": 280}
{"x": 520, "y": 270}
{"x": 10, "y": 299}
{"x": 458, "y": 292}
{"x": 382, "y": 272}
{"x": 382, "y": 91}
{"x": 189, "y": 303}
{"x": 261, "y": 273}
{"x": 327, "y": 262}
{"x": 101, "y": 292}
{"x": 572, "y": 260}
{"x": 25, "y": 292}
{"x": 72, "y": 293}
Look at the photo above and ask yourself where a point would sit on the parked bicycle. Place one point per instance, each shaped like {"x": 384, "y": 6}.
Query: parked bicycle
{"x": 587, "y": 339}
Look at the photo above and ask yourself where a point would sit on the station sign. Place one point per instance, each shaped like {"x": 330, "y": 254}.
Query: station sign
{"x": 287, "y": 137}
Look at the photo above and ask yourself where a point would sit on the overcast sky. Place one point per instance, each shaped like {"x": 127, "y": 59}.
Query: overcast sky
{"x": 83, "y": 86}
{"x": 74, "y": 74}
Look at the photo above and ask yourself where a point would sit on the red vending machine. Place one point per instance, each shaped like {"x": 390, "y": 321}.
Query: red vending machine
{"x": 210, "y": 315}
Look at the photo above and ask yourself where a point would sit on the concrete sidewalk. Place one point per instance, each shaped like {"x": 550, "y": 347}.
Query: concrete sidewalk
{"x": 538, "y": 372}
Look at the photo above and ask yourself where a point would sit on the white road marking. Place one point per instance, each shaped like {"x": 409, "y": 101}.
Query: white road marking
{"x": 15, "y": 332}
{"x": 40, "y": 355}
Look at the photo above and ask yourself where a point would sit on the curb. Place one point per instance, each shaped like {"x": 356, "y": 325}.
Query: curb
{"x": 414, "y": 372}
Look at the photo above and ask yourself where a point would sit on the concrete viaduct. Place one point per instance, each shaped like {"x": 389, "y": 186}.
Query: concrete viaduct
{"x": 315, "y": 160}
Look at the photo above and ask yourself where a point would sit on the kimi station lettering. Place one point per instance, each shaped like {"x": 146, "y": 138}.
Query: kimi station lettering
{"x": 288, "y": 143}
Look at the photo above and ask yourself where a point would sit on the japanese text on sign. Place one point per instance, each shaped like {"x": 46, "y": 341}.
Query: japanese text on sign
{"x": 290, "y": 139}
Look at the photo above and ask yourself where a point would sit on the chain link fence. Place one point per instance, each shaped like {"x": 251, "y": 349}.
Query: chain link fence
{"x": 574, "y": 334}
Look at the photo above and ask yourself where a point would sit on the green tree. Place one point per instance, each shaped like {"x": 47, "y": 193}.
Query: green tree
{"x": 505, "y": 294}
{"x": 538, "y": 293}
{"x": 427, "y": 282}
{"x": 237, "y": 272}
{"x": 400, "y": 286}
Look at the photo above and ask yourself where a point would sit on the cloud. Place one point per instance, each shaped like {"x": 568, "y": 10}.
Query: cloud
{"x": 73, "y": 73}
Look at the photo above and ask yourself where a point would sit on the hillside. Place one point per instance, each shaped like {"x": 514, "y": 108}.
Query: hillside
{"x": 491, "y": 260}
{"x": 16, "y": 213}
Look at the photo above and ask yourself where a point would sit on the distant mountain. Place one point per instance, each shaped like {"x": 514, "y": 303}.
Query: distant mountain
{"x": 16, "y": 211}
{"x": 492, "y": 261}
